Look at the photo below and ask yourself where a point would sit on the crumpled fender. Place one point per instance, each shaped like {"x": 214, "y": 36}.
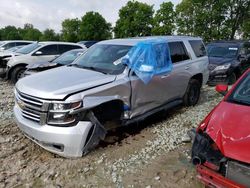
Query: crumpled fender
{"x": 93, "y": 101}
{"x": 98, "y": 133}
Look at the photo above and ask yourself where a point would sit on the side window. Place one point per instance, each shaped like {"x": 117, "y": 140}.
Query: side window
{"x": 9, "y": 45}
{"x": 64, "y": 48}
{"x": 22, "y": 43}
{"x": 246, "y": 49}
{"x": 198, "y": 48}
{"x": 178, "y": 52}
{"x": 49, "y": 50}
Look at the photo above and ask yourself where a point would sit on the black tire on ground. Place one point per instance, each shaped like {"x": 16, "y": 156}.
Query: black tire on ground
{"x": 231, "y": 79}
{"x": 192, "y": 94}
{"x": 17, "y": 74}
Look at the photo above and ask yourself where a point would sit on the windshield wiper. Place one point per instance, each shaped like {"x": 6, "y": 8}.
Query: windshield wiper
{"x": 89, "y": 68}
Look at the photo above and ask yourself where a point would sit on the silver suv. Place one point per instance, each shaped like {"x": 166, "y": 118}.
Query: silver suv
{"x": 68, "y": 110}
{"x": 34, "y": 53}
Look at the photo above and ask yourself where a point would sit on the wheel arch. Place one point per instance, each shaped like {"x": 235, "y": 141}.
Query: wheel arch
{"x": 12, "y": 68}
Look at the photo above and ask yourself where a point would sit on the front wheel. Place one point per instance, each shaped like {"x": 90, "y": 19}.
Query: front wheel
{"x": 192, "y": 94}
{"x": 17, "y": 73}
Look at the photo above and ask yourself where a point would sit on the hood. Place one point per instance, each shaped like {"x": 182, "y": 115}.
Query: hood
{"x": 42, "y": 65}
{"x": 220, "y": 60}
{"x": 229, "y": 127}
{"x": 57, "y": 83}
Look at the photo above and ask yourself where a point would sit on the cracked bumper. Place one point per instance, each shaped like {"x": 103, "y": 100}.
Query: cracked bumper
{"x": 64, "y": 141}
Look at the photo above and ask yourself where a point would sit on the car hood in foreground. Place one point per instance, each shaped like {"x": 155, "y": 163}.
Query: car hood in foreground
{"x": 229, "y": 127}
{"x": 59, "y": 82}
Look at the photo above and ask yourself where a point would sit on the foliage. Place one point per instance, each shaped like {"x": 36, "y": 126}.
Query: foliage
{"x": 30, "y": 33}
{"x": 164, "y": 19}
{"x": 70, "y": 30}
{"x": 49, "y": 35}
{"x": 94, "y": 27}
{"x": 135, "y": 19}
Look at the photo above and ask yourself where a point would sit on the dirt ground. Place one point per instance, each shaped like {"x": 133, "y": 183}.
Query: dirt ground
{"x": 149, "y": 154}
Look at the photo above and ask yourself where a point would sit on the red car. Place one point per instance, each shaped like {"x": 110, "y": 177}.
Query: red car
{"x": 221, "y": 148}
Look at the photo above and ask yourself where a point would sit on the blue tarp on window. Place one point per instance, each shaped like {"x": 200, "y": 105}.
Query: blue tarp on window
{"x": 149, "y": 58}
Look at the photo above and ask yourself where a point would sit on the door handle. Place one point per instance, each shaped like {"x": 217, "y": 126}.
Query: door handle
{"x": 164, "y": 76}
{"x": 187, "y": 67}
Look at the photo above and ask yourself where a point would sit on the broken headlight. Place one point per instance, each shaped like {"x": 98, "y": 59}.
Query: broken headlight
{"x": 61, "y": 113}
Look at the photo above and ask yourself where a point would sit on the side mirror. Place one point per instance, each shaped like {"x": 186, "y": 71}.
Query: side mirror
{"x": 242, "y": 56}
{"x": 222, "y": 89}
{"x": 38, "y": 53}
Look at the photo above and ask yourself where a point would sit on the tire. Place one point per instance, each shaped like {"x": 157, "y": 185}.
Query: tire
{"x": 192, "y": 94}
{"x": 231, "y": 79}
{"x": 17, "y": 74}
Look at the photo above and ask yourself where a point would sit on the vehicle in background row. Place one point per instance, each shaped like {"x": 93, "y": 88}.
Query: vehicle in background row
{"x": 221, "y": 147}
{"x": 88, "y": 43}
{"x": 227, "y": 61}
{"x": 33, "y": 53}
{"x": 5, "y": 45}
{"x": 69, "y": 109}
{"x": 6, "y": 54}
{"x": 64, "y": 59}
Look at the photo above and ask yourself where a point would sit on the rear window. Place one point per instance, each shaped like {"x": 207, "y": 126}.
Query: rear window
{"x": 198, "y": 48}
{"x": 64, "y": 48}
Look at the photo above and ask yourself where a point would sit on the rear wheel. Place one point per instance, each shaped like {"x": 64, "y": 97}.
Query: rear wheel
{"x": 192, "y": 94}
{"x": 17, "y": 73}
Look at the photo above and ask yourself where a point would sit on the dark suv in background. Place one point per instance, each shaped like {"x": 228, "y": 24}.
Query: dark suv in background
{"x": 227, "y": 61}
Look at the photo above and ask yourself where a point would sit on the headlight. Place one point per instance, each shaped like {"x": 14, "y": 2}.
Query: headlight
{"x": 222, "y": 67}
{"x": 60, "y": 113}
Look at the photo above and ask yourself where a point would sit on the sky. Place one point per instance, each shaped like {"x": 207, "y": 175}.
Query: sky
{"x": 50, "y": 13}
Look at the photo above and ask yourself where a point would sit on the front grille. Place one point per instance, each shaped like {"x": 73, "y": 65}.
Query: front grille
{"x": 32, "y": 108}
{"x": 238, "y": 172}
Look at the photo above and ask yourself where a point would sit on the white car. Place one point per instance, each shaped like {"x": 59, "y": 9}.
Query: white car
{"x": 34, "y": 53}
{"x": 7, "y": 44}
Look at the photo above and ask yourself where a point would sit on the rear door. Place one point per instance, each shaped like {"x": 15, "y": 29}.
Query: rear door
{"x": 182, "y": 64}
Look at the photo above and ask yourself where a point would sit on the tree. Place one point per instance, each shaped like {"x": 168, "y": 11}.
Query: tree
{"x": 10, "y": 33}
{"x": 30, "y": 33}
{"x": 164, "y": 19}
{"x": 212, "y": 20}
{"x": 70, "y": 30}
{"x": 238, "y": 16}
{"x": 94, "y": 27}
{"x": 49, "y": 35}
{"x": 135, "y": 19}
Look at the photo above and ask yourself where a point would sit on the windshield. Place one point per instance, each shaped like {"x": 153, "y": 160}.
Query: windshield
{"x": 67, "y": 57}
{"x": 104, "y": 58}
{"x": 228, "y": 51}
{"x": 28, "y": 48}
{"x": 241, "y": 94}
{"x": 13, "y": 49}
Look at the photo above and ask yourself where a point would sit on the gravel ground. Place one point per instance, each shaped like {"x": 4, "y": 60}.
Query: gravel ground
{"x": 149, "y": 154}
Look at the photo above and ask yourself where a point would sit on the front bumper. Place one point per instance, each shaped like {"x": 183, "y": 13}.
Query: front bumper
{"x": 219, "y": 77}
{"x": 64, "y": 141}
{"x": 212, "y": 179}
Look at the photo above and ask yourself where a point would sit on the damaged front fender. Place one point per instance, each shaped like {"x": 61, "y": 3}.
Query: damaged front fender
{"x": 96, "y": 133}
